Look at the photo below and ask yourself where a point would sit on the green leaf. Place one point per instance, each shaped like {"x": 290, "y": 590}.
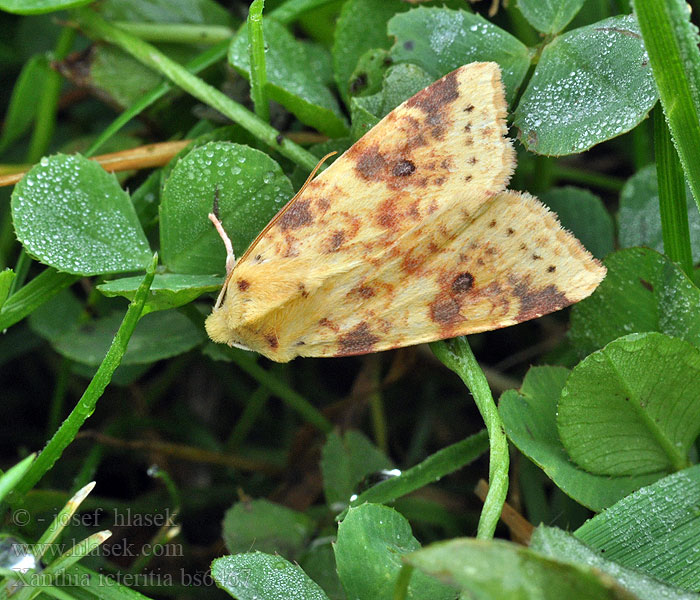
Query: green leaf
{"x": 643, "y": 291}
{"x": 302, "y": 91}
{"x": 361, "y": 27}
{"x": 549, "y": 16}
{"x": 584, "y": 214}
{"x": 590, "y": 85}
{"x": 439, "y": 40}
{"x": 251, "y": 189}
{"x": 400, "y": 83}
{"x": 10, "y": 478}
{"x": 319, "y": 564}
{"x": 655, "y": 530}
{"x": 529, "y": 416}
{"x": 564, "y": 547}
{"x": 638, "y": 219}
{"x": 495, "y": 569}
{"x": 32, "y": 295}
{"x": 157, "y": 336}
{"x": 71, "y": 214}
{"x": 7, "y": 276}
{"x": 35, "y": 7}
{"x": 258, "y": 576}
{"x": 633, "y": 407}
{"x": 672, "y": 43}
{"x": 345, "y": 462}
{"x": 103, "y": 71}
{"x": 167, "y": 291}
{"x": 430, "y": 470}
{"x": 24, "y": 101}
{"x": 368, "y": 76}
{"x": 371, "y": 542}
{"x": 265, "y": 526}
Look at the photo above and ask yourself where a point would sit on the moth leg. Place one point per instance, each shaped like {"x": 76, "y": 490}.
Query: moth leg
{"x": 230, "y": 257}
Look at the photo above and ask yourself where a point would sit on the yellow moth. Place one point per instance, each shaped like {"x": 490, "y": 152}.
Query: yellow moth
{"x": 409, "y": 237}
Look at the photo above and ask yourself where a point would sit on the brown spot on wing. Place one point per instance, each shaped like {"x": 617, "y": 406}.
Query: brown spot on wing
{"x": 243, "y": 285}
{"x": 433, "y": 100}
{"x": 271, "y": 340}
{"x": 335, "y": 241}
{"x": 403, "y": 168}
{"x": 445, "y": 310}
{"x": 370, "y": 163}
{"x": 537, "y": 302}
{"x": 358, "y": 340}
{"x": 462, "y": 283}
{"x": 296, "y": 216}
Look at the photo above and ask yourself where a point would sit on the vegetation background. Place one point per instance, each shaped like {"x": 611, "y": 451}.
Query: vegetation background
{"x": 284, "y": 475}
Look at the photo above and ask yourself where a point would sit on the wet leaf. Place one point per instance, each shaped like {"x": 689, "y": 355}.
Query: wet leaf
{"x": 251, "y": 189}
{"x": 639, "y": 221}
{"x": 157, "y": 336}
{"x": 549, "y": 16}
{"x": 642, "y": 291}
{"x": 361, "y": 27}
{"x": 371, "y": 542}
{"x": 197, "y": 12}
{"x": 632, "y": 408}
{"x": 655, "y": 530}
{"x": 564, "y": 547}
{"x": 265, "y": 526}
{"x": 258, "y": 576}
{"x": 168, "y": 290}
{"x": 530, "y": 418}
{"x": 303, "y": 92}
{"x": 591, "y": 84}
{"x": 439, "y": 40}
{"x": 584, "y": 214}
{"x": 345, "y": 462}
{"x": 497, "y": 569}
{"x": 71, "y": 214}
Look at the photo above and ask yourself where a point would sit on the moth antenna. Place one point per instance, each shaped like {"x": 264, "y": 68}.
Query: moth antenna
{"x": 230, "y": 257}
{"x": 311, "y": 176}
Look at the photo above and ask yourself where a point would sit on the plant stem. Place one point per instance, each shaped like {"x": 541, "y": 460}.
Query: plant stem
{"x": 675, "y": 61}
{"x": 86, "y": 405}
{"x": 672, "y": 201}
{"x": 256, "y": 55}
{"x": 40, "y": 289}
{"x": 292, "y": 9}
{"x": 179, "y": 33}
{"x": 197, "y": 64}
{"x": 48, "y": 104}
{"x": 180, "y": 76}
{"x": 456, "y": 355}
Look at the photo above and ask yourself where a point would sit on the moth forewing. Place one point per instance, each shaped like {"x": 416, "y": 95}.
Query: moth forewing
{"x": 406, "y": 239}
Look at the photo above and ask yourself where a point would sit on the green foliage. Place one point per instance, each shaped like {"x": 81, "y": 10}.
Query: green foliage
{"x": 590, "y": 85}
{"x": 530, "y": 419}
{"x": 250, "y": 188}
{"x": 655, "y": 530}
{"x": 371, "y": 541}
{"x": 633, "y": 407}
{"x": 611, "y": 426}
{"x": 549, "y": 16}
{"x": 256, "y": 576}
{"x": 72, "y": 215}
{"x": 497, "y": 569}
{"x": 266, "y": 527}
{"x": 439, "y": 40}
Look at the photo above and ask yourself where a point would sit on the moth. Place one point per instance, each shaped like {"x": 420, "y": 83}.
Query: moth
{"x": 409, "y": 237}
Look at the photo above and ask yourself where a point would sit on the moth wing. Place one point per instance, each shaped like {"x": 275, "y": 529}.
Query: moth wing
{"x": 512, "y": 263}
{"x": 443, "y": 147}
